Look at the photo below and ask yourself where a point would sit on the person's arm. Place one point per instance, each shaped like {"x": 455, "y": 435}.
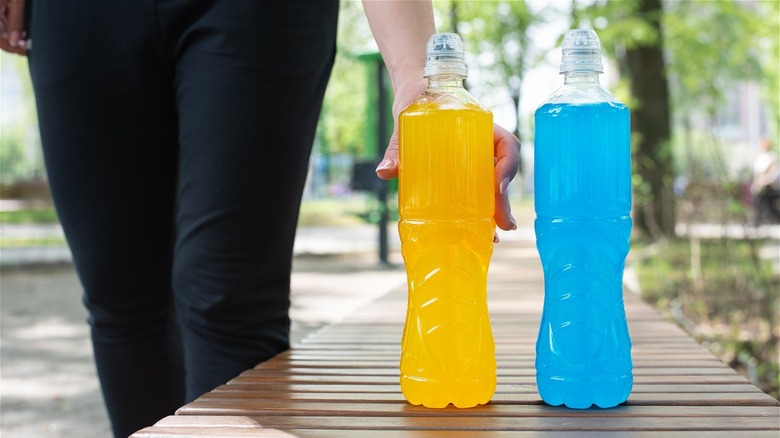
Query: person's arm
{"x": 12, "y": 32}
{"x": 401, "y": 30}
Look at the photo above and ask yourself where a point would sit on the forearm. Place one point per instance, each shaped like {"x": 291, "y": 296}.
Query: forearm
{"x": 401, "y": 30}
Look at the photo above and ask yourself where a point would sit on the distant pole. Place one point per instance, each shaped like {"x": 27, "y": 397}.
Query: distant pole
{"x": 377, "y": 133}
{"x": 382, "y": 140}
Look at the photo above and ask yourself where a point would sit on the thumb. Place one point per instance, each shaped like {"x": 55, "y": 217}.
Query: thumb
{"x": 388, "y": 167}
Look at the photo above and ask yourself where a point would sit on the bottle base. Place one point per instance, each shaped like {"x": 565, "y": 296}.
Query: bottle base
{"x": 584, "y": 393}
{"x": 439, "y": 394}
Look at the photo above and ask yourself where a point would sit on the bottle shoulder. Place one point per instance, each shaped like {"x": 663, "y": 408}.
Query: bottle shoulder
{"x": 560, "y": 108}
{"x": 589, "y": 93}
{"x": 447, "y": 99}
{"x": 574, "y": 99}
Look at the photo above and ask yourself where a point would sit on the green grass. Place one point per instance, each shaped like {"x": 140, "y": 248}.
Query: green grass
{"x": 336, "y": 211}
{"x": 29, "y": 241}
{"x": 314, "y": 212}
{"x": 726, "y": 294}
{"x": 29, "y": 216}
{"x": 44, "y": 216}
{"x": 332, "y": 212}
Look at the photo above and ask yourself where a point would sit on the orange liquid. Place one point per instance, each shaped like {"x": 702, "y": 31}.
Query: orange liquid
{"x": 446, "y": 203}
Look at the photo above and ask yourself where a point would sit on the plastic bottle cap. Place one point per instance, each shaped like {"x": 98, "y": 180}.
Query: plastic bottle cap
{"x": 581, "y": 51}
{"x": 444, "y": 55}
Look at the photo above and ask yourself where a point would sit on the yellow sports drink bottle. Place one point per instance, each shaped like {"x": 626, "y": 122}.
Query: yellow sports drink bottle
{"x": 446, "y": 203}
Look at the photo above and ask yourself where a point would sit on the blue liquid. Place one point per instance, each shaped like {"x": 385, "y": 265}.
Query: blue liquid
{"x": 582, "y": 185}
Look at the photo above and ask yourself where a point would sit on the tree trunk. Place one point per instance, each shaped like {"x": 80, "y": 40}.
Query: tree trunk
{"x": 454, "y": 22}
{"x": 651, "y": 126}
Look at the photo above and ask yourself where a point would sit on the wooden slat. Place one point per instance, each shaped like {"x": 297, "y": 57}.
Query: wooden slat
{"x": 527, "y": 397}
{"x": 504, "y": 372}
{"x": 342, "y": 381}
{"x": 270, "y": 388}
{"x": 552, "y": 423}
{"x": 240, "y": 426}
{"x": 682, "y": 378}
{"x": 338, "y": 406}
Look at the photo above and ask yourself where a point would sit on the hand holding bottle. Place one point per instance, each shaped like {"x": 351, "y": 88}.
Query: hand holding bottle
{"x": 401, "y": 30}
{"x": 507, "y": 154}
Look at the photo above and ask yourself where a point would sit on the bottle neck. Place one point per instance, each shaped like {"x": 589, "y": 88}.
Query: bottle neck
{"x": 445, "y": 80}
{"x": 581, "y": 77}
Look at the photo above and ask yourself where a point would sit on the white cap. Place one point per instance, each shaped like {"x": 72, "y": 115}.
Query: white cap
{"x": 581, "y": 51}
{"x": 444, "y": 55}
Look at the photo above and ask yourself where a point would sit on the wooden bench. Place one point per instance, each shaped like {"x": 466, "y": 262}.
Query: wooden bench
{"x": 342, "y": 381}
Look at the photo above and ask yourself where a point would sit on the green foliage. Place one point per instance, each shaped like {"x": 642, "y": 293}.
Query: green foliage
{"x": 501, "y": 30}
{"x": 618, "y": 24}
{"x": 341, "y": 120}
{"x": 711, "y": 45}
{"x": 497, "y": 35}
{"x": 769, "y": 52}
{"x": 13, "y": 163}
{"x": 20, "y": 156}
{"x": 343, "y": 113}
{"x": 733, "y": 304}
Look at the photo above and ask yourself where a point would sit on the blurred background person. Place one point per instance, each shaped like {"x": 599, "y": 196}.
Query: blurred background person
{"x": 766, "y": 184}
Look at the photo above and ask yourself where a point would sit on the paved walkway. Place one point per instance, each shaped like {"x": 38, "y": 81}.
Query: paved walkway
{"x": 49, "y": 387}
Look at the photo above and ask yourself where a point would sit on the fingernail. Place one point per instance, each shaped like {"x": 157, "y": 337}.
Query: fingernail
{"x": 385, "y": 164}
{"x": 504, "y": 184}
{"x": 514, "y": 222}
{"x": 13, "y": 39}
{"x": 495, "y": 238}
{"x": 22, "y": 44}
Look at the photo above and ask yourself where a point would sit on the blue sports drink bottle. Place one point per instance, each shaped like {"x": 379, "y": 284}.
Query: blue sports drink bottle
{"x": 582, "y": 185}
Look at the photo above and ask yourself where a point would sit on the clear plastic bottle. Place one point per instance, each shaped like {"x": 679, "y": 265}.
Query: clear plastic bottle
{"x": 446, "y": 202}
{"x": 582, "y": 185}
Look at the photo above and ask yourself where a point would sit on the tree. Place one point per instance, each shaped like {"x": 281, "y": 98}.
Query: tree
{"x": 699, "y": 50}
{"x": 633, "y": 34}
{"x": 651, "y": 122}
{"x": 496, "y": 33}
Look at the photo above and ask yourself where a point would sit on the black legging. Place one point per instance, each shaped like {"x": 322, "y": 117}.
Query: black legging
{"x": 176, "y": 136}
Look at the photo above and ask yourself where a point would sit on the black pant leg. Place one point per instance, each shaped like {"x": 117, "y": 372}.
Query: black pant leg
{"x": 108, "y": 126}
{"x": 102, "y": 84}
{"x": 250, "y": 81}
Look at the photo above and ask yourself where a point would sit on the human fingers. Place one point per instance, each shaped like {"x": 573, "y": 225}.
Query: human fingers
{"x": 13, "y": 38}
{"x": 406, "y": 90}
{"x": 507, "y": 153}
{"x": 388, "y": 167}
